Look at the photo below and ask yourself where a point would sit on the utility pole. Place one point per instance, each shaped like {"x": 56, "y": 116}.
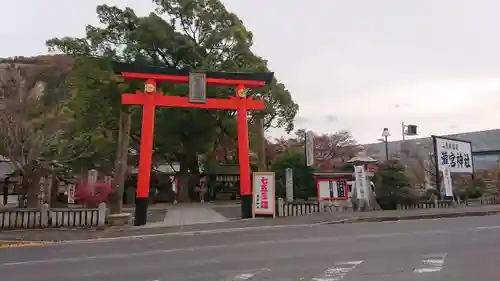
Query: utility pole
{"x": 403, "y": 129}
{"x": 408, "y": 130}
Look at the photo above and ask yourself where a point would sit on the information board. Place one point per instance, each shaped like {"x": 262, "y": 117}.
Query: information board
{"x": 332, "y": 189}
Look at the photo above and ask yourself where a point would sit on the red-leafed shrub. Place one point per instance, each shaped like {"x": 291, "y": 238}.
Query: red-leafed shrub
{"x": 92, "y": 194}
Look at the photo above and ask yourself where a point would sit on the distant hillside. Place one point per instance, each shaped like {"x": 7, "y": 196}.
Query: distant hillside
{"x": 60, "y": 62}
{"x": 39, "y": 72}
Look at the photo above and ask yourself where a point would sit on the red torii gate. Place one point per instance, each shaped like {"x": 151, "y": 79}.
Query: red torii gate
{"x": 152, "y": 98}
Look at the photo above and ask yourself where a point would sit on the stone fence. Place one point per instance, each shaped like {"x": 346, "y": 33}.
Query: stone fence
{"x": 490, "y": 200}
{"x": 15, "y": 218}
{"x": 485, "y": 200}
{"x": 288, "y": 209}
{"x": 426, "y": 205}
{"x": 303, "y": 208}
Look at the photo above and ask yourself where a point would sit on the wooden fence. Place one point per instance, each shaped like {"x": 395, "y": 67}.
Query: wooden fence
{"x": 14, "y": 218}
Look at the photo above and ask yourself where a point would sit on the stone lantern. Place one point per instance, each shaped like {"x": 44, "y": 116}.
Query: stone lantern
{"x": 369, "y": 202}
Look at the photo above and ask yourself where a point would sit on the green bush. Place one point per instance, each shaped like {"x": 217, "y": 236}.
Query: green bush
{"x": 471, "y": 189}
{"x": 392, "y": 186}
{"x": 304, "y": 185}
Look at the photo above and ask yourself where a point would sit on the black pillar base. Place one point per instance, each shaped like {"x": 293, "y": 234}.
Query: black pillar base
{"x": 141, "y": 211}
{"x": 246, "y": 206}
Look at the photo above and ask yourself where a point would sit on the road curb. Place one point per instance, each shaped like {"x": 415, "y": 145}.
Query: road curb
{"x": 413, "y": 217}
{"x": 17, "y": 244}
{"x": 20, "y": 243}
{"x": 39, "y": 241}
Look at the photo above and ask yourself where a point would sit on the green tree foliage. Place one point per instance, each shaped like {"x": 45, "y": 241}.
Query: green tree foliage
{"x": 303, "y": 181}
{"x": 197, "y": 35}
{"x": 392, "y": 185}
{"x": 471, "y": 188}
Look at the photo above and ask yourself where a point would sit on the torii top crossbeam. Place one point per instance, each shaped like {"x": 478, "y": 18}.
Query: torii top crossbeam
{"x": 247, "y": 79}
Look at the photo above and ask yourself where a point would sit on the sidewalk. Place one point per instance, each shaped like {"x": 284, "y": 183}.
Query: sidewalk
{"x": 188, "y": 214}
{"x": 317, "y": 218}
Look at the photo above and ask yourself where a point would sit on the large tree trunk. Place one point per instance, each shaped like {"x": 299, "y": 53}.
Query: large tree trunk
{"x": 30, "y": 183}
{"x": 189, "y": 176}
{"x": 194, "y": 174}
{"x": 183, "y": 188}
{"x": 32, "y": 187}
{"x": 5, "y": 191}
{"x": 121, "y": 165}
{"x": 54, "y": 189}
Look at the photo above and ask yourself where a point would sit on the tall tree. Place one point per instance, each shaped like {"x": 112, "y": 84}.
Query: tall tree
{"x": 331, "y": 150}
{"x": 419, "y": 164}
{"x": 303, "y": 181}
{"x": 197, "y": 35}
{"x": 35, "y": 123}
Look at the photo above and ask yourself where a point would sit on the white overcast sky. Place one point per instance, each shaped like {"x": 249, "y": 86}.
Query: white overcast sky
{"x": 359, "y": 65}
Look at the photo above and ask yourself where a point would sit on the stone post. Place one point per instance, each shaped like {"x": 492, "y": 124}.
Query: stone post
{"x": 102, "y": 214}
{"x": 44, "y": 215}
{"x": 280, "y": 206}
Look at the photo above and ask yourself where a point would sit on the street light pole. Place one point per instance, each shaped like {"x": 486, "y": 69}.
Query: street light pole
{"x": 386, "y": 134}
{"x": 386, "y": 149}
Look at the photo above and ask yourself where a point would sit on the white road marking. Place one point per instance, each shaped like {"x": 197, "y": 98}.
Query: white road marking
{"x": 244, "y": 276}
{"x": 488, "y": 227}
{"x": 249, "y": 275}
{"x": 431, "y": 263}
{"x": 338, "y": 271}
{"x": 251, "y": 228}
{"x": 239, "y": 245}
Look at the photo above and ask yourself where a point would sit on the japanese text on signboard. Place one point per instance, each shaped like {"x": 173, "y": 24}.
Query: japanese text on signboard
{"x": 457, "y": 155}
{"x": 263, "y": 193}
{"x": 332, "y": 189}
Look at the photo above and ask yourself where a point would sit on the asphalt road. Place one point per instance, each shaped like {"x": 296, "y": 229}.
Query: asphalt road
{"x": 447, "y": 249}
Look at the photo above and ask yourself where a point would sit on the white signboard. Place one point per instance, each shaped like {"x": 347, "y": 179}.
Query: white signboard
{"x": 360, "y": 182}
{"x": 447, "y": 182}
{"x": 329, "y": 189}
{"x": 174, "y": 184}
{"x": 289, "y": 184}
{"x": 71, "y": 194}
{"x": 310, "y": 148}
{"x": 264, "y": 193}
{"x": 455, "y": 154}
{"x": 92, "y": 176}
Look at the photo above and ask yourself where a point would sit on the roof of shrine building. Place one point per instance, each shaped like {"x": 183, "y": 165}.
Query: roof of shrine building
{"x": 482, "y": 141}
